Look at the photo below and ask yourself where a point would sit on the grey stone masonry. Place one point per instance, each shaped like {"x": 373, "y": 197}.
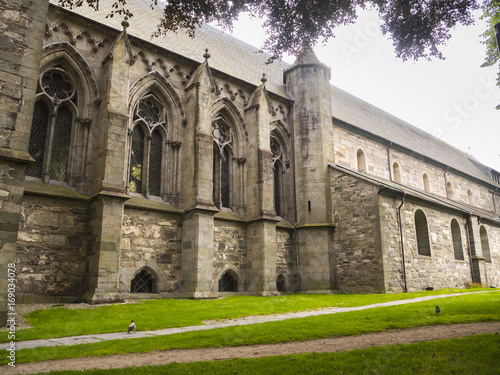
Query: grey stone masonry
{"x": 21, "y": 37}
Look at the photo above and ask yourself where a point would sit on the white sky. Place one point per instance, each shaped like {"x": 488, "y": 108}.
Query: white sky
{"x": 453, "y": 99}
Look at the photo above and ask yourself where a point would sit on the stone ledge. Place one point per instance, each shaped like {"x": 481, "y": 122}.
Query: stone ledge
{"x": 15, "y": 155}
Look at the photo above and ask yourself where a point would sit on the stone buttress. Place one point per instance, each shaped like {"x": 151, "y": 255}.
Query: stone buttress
{"x": 307, "y": 81}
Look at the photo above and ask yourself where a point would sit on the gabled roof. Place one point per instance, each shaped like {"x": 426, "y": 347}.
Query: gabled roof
{"x": 243, "y": 61}
{"x": 419, "y": 195}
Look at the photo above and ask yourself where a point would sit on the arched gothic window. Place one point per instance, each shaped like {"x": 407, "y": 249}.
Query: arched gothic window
{"x": 449, "y": 190}
{"x": 53, "y": 122}
{"x": 147, "y": 154}
{"x": 426, "y": 182}
{"x": 143, "y": 282}
{"x": 485, "y": 244}
{"x": 222, "y": 176}
{"x": 397, "y": 172}
{"x": 278, "y": 177}
{"x": 361, "y": 160}
{"x": 422, "y": 232}
{"x": 470, "y": 197}
{"x": 456, "y": 237}
{"x": 280, "y": 284}
{"x": 228, "y": 282}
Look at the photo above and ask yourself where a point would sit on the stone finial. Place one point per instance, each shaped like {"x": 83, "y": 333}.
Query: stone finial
{"x": 263, "y": 79}
{"x": 206, "y": 55}
{"x": 125, "y": 23}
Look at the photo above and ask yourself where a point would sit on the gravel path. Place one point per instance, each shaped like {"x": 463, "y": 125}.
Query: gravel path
{"x": 333, "y": 344}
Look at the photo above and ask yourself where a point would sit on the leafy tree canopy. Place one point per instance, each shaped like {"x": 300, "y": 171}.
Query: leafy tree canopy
{"x": 417, "y": 27}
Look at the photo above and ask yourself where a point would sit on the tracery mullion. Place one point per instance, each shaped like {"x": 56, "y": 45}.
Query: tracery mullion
{"x": 48, "y": 147}
{"x": 165, "y": 182}
{"x": 72, "y": 167}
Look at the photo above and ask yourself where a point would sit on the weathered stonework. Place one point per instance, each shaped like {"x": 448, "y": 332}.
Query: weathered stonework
{"x": 189, "y": 163}
{"x": 230, "y": 251}
{"x": 51, "y": 249}
{"x": 153, "y": 240}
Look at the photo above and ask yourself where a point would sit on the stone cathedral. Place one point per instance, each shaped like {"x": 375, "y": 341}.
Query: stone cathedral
{"x": 141, "y": 167}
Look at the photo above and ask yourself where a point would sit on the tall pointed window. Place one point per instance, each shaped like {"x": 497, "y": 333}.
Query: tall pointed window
{"x": 361, "y": 160}
{"x": 222, "y": 163}
{"x": 485, "y": 244}
{"x": 425, "y": 179}
{"x": 279, "y": 196}
{"x": 397, "y": 172}
{"x": 53, "y": 121}
{"x": 146, "y": 147}
{"x": 456, "y": 237}
{"x": 422, "y": 232}
{"x": 449, "y": 190}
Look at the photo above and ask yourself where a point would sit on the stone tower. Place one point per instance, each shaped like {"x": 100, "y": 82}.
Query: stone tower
{"x": 307, "y": 81}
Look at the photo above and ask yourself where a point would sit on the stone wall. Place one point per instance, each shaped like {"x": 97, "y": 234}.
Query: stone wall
{"x": 358, "y": 255}
{"x": 51, "y": 247}
{"x": 412, "y": 170}
{"x": 230, "y": 251}
{"x": 285, "y": 258}
{"x": 151, "y": 239}
{"x": 493, "y": 268}
{"x": 440, "y": 269}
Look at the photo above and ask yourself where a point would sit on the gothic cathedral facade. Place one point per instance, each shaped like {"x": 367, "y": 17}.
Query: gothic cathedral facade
{"x": 139, "y": 167}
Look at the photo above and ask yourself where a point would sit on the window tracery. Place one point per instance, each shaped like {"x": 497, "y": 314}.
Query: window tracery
{"x": 54, "y": 116}
{"x": 149, "y": 148}
{"x": 222, "y": 176}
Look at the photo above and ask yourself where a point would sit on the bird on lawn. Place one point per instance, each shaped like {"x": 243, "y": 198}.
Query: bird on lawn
{"x": 438, "y": 310}
{"x": 131, "y": 327}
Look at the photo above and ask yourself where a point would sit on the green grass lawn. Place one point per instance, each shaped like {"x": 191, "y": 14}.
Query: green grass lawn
{"x": 460, "y": 309}
{"x": 167, "y": 313}
{"x": 469, "y": 355}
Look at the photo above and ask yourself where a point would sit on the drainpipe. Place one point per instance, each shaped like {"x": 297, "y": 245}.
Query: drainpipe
{"x": 402, "y": 242}
{"x": 297, "y": 252}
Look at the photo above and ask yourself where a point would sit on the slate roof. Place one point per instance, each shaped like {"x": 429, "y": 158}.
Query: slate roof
{"x": 419, "y": 194}
{"x": 245, "y": 62}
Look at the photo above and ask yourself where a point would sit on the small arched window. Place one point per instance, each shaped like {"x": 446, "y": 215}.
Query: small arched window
{"x": 280, "y": 284}
{"x": 449, "y": 190}
{"x": 485, "y": 244}
{"x": 228, "y": 282}
{"x": 361, "y": 160}
{"x": 456, "y": 237}
{"x": 397, "y": 172}
{"x": 422, "y": 232}
{"x": 425, "y": 178}
{"x": 53, "y": 121}
{"x": 143, "y": 282}
{"x": 470, "y": 197}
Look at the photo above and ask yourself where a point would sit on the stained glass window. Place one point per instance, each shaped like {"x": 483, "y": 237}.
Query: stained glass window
{"x": 37, "y": 138}
{"x": 60, "y": 147}
{"x": 155, "y": 163}
{"x": 136, "y": 160}
{"x": 225, "y": 180}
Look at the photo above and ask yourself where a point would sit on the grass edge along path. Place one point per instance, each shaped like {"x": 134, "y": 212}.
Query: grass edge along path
{"x": 461, "y": 309}
{"x": 467, "y": 355}
{"x": 169, "y": 313}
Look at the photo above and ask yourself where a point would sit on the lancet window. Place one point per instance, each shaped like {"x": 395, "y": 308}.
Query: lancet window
{"x": 278, "y": 176}
{"x": 54, "y": 117}
{"x": 147, "y": 147}
{"x": 222, "y": 152}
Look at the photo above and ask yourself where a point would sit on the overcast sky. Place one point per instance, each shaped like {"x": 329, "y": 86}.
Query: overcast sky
{"x": 453, "y": 99}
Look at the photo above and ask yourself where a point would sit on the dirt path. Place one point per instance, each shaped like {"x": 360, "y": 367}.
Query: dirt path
{"x": 334, "y": 344}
